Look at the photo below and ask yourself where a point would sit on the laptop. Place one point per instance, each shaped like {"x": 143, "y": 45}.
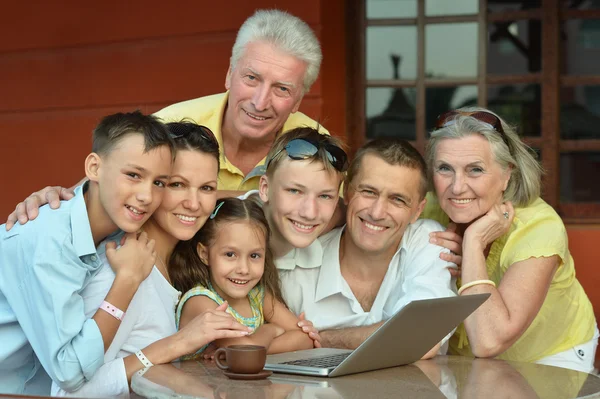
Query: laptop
{"x": 402, "y": 339}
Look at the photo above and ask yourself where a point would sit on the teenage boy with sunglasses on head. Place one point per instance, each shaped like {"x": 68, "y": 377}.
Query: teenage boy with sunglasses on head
{"x": 46, "y": 263}
{"x": 300, "y": 193}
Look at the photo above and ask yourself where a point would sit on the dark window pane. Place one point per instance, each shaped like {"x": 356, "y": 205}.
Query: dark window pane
{"x": 441, "y": 99}
{"x": 391, "y": 9}
{"x": 581, "y": 4}
{"x": 455, "y": 7}
{"x": 580, "y": 112}
{"x": 581, "y": 44}
{"x": 513, "y": 5}
{"x": 451, "y": 50}
{"x": 520, "y": 105}
{"x": 390, "y": 113}
{"x": 578, "y": 174}
{"x": 391, "y": 52}
{"x": 514, "y": 47}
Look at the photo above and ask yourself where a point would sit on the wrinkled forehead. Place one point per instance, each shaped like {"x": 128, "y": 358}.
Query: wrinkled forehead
{"x": 464, "y": 150}
{"x": 271, "y": 61}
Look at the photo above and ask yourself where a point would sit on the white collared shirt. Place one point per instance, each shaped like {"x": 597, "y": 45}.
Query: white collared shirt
{"x": 311, "y": 280}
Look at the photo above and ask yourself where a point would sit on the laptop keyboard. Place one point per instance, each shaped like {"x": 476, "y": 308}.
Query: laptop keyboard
{"x": 321, "y": 362}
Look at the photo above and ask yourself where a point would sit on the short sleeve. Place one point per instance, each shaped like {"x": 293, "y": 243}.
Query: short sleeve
{"x": 196, "y": 291}
{"x": 542, "y": 236}
{"x": 257, "y": 295}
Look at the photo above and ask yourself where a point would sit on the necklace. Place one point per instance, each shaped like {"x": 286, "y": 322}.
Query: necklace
{"x": 164, "y": 271}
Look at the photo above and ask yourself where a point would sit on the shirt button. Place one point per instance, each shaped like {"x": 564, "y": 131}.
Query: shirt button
{"x": 94, "y": 258}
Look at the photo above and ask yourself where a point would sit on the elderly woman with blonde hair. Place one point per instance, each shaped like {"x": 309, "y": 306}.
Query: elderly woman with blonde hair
{"x": 514, "y": 246}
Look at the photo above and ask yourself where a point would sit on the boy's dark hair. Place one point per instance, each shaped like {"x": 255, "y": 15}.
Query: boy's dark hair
{"x": 190, "y": 136}
{"x": 113, "y": 128}
{"x": 395, "y": 152}
{"x": 187, "y": 270}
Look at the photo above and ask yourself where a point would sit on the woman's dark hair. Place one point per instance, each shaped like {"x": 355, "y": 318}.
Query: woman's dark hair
{"x": 190, "y": 136}
{"x": 187, "y": 270}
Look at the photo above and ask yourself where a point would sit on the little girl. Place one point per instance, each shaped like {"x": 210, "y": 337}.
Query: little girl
{"x": 228, "y": 260}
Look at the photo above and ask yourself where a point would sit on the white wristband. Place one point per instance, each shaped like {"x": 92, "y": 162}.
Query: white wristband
{"x": 112, "y": 310}
{"x": 140, "y": 355}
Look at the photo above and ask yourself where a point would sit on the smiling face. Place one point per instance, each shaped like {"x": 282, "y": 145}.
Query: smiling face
{"x": 300, "y": 199}
{"x": 236, "y": 259}
{"x": 190, "y": 195}
{"x": 264, "y": 87}
{"x": 467, "y": 179}
{"x": 382, "y": 200}
{"x": 131, "y": 182}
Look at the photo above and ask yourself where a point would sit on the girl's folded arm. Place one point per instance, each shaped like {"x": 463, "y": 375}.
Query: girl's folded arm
{"x": 198, "y": 304}
{"x": 294, "y": 338}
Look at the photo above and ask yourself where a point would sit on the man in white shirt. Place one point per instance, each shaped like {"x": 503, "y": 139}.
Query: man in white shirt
{"x": 381, "y": 260}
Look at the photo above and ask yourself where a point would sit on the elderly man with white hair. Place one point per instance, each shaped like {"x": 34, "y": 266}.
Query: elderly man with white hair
{"x": 275, "y": 59}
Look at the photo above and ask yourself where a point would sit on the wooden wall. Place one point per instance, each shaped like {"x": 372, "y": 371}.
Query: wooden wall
{"x": 65, "y": 64}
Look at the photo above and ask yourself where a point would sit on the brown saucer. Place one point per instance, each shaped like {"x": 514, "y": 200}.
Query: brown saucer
{"x": 258, "y": 376}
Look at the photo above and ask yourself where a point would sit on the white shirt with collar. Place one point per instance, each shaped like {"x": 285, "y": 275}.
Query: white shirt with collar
{"x": 311, "y": 280}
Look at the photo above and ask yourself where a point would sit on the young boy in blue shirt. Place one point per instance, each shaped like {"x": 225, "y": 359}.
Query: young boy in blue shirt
{"x": 45, "y": 263}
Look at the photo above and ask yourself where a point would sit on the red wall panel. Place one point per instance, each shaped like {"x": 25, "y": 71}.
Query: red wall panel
{"x": 49, "y": 24}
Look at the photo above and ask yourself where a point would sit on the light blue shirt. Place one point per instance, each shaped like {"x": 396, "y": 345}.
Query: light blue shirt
{"x": 44, "y": 265}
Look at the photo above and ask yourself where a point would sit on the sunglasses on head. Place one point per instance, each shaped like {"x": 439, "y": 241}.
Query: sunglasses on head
{"x": 449, "y": 118}
{"x": 179, "y": 130}
{"x": 298, "y": 149}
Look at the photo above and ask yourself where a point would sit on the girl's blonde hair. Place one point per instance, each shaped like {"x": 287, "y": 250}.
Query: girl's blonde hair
{"x": 187, "y": 270}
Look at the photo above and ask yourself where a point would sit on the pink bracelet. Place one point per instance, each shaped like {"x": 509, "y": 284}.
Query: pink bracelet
{"x": 113, "y": 311}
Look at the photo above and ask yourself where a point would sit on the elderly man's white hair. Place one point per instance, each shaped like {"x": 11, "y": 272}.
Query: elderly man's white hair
{"x": 286, "y": 32}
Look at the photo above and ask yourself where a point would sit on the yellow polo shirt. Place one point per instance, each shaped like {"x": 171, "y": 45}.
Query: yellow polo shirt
{"x": 566, "y": 318}
{"x": 209, "y": 111}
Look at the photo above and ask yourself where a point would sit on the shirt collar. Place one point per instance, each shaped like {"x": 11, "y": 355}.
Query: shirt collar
{"x": 330, "y": 281}
{"x": 214, "y": 123}
{"x": 83, "y": 241}
{"x": 307, "y": 258}
{"x": 330, "y": 277}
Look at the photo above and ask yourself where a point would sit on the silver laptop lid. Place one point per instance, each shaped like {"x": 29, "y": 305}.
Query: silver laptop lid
{"x": 408, "y": 335}
{"x": 402, "y": 339}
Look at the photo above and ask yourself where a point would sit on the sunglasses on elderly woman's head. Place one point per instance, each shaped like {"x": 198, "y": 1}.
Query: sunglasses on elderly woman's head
{"x": 449, "y": 118}
{"x": 179, "y": 130}
{"x": 298, "y": 149}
